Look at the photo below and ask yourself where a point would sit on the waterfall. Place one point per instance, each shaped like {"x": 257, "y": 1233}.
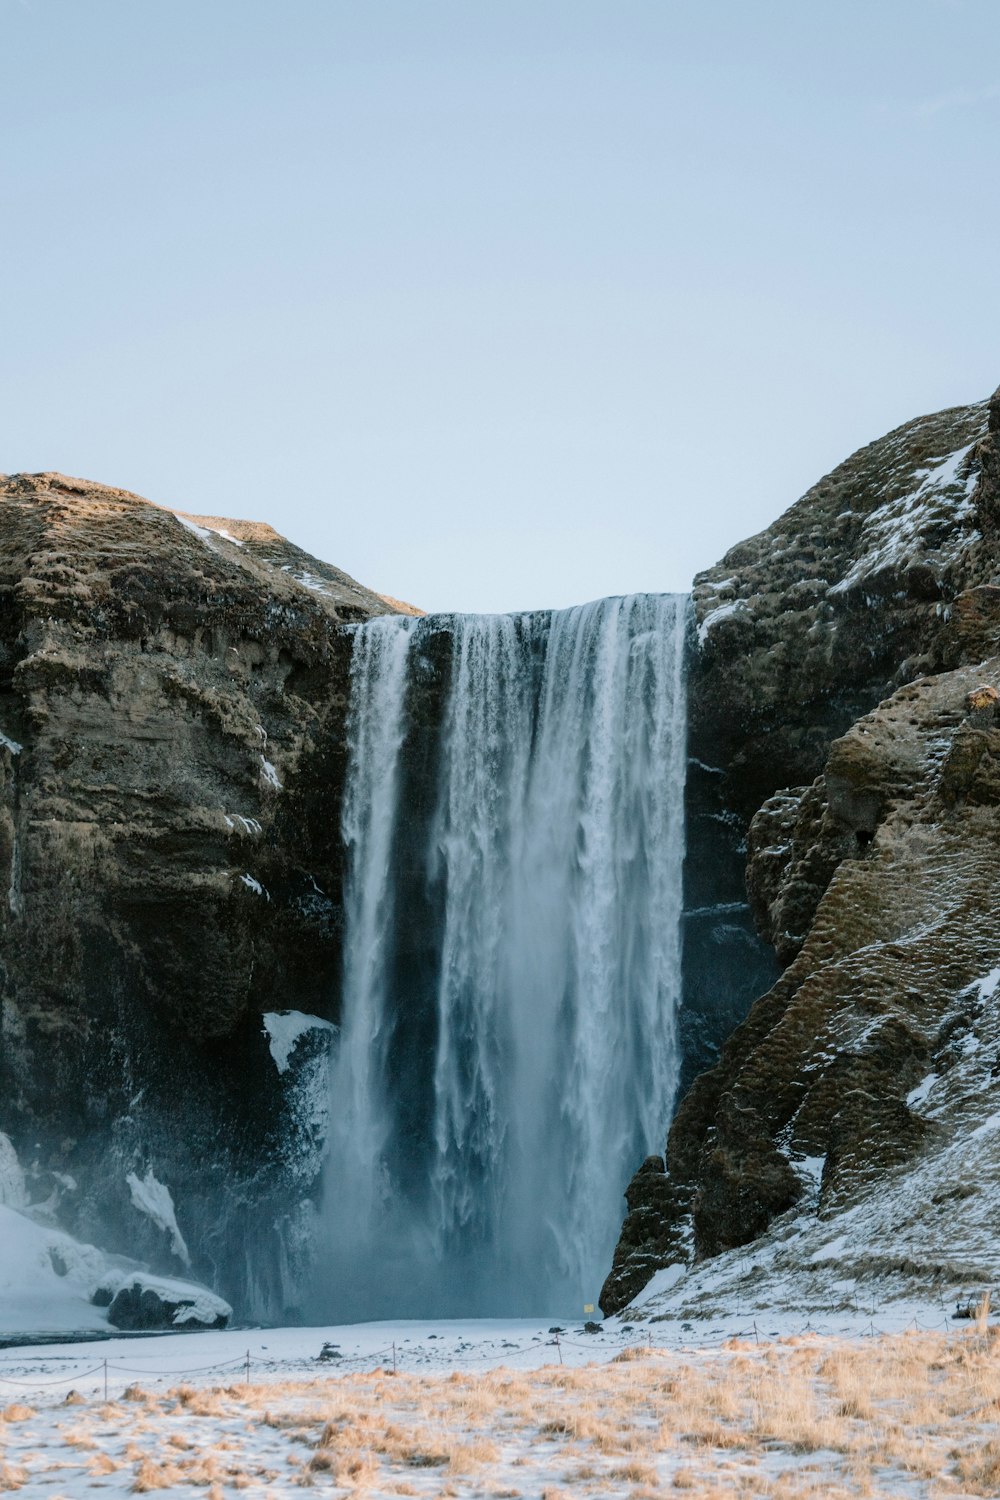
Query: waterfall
{"x": 513, "y": 825}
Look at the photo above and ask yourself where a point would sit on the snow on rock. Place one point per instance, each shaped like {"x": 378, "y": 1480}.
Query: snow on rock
{"x": 894, "y": 534}
{"x": 811, "y": 1169}
{"x": 283, "y": 1030}
{"x": 254, "y": 885}
{"x": 227, "y": 535}
{"x": 310, "y": 581}
{"x": 12, "y": 1190}
{"x": 987, "y": 987}
{"x": 136, "y": 1299}
{"x": 714, "y": 616}
{"x": 246, "y": 826}
{"x": 199, "y": 531}
{"x": 918, "y": 1096}
{"x": 9, "y": 744}
{"x": 207, "y": 531}
{"x": 52, "y": 1283}
{"x": 829, "y": 1251}
{"x": 270, "y": 775}
{"x": 153, "y": 1199}
{"x": 915, "y": 1240}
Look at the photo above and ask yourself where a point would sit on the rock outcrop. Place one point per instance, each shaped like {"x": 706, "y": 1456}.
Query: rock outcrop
{"x": 172, "y": 697}
{"x": 843, "y": 688}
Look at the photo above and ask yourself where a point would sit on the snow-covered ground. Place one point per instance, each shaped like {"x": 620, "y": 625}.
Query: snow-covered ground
{"x": 752, "y": 1374}
{"x": 471, "y": 1409}
{"x": 426, "y": 1347}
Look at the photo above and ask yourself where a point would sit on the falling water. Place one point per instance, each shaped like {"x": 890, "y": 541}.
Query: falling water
{"x": 514, "y": 831}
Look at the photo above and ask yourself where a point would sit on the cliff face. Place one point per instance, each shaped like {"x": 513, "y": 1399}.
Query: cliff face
{"x": 173, "y": 692}
{"x": 843, "y": 693}
{"x": 172, "y": 697}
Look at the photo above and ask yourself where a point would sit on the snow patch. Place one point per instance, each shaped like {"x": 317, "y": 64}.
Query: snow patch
{"x": 153, "y": 1199}
{"x": 46, "y": 1278}
{"x": 830, "y": 1251}
{"x": 918, "y": 1096}
{"x": 221, "y": 531}
{"x": 246, "y": 825}
{"x": 270, "y": 774}
{"x": 662, "y": 1281}
{"x": 713, "y": 618}
{"x": 9, "y": 744}
{"x": 310, "y": 581}
{"x": 12, "y": 1189}
{"x": 283, "y": 1029}
{"x": 199, "y": 531}
{"x": 47, "y": 1281}
{"x": 206, "y": 532}
{"x": 811, "y": 1168}
{"x": 988, "y": 986}
{"x": 254, "y": 885}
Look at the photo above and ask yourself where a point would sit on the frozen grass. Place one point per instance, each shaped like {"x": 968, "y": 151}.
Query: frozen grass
{"x": 902, "y": 1415}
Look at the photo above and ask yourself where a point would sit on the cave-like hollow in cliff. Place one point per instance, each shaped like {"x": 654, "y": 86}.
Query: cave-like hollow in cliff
{"x": 509, "y": 1050}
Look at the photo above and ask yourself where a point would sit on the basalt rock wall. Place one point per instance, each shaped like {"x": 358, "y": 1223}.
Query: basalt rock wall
{"x": 845, "y": 742}
{"x": 172, "y": 701}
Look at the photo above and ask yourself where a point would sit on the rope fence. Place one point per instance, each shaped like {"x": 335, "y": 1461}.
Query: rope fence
{"x": 404, "y": 1360}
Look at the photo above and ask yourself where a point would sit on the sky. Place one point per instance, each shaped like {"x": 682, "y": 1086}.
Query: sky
{"x": 496, "y": 304}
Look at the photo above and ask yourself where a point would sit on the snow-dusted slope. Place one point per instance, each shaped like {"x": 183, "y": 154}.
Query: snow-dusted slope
{"x": 48, "y": 1281}
{"x": 917, "y": 1243}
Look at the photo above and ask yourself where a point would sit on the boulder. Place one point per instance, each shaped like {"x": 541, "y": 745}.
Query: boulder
{"x": 148, "y": 1305}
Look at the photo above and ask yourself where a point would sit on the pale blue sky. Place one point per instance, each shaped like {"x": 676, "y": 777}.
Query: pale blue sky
{"x": 494, "y": 303}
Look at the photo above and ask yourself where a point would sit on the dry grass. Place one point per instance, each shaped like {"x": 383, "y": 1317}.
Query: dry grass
{"x": 798, "y": 1418}
{"x": 78, "y": 1437}
{"x": 102, "y": 1463}
{"x": 152, "y": 1474}
{"x": 16, "y": 1413}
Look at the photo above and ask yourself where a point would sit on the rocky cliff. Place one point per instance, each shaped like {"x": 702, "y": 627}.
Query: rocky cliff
{"x": 173, "y": 692}
{"x": 845, "y": 728}
{"x": 172, "y": 696}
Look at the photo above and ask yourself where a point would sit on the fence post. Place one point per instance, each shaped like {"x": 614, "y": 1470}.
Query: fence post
{"x": 105, "y": 1380}
{"x": 248, "y": 1367}
{"x": 559, "y": 1347}
{"x": 394, "y": 1356}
